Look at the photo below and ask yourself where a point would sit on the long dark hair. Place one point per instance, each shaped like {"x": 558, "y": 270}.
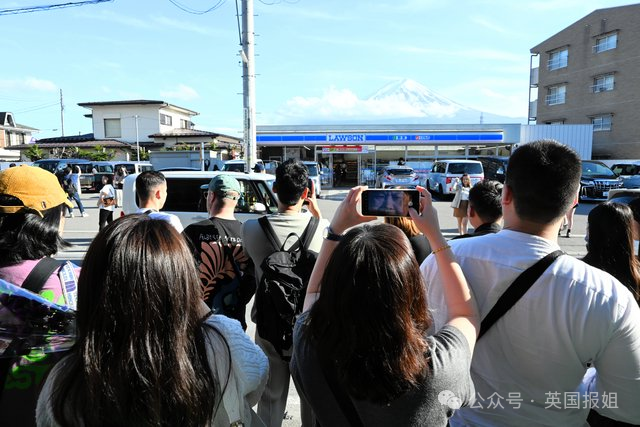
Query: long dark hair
{"x": 26, "y": 235}
{"x": 610, "y": 245}
{"x": 140, "y": 356}
{"x": 371, "y": 317}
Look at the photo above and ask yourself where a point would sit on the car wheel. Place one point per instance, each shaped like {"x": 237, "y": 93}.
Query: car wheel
{"x": 440, "y": 190}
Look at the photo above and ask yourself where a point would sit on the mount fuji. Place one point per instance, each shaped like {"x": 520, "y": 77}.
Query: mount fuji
{"x": 399, "y": 102}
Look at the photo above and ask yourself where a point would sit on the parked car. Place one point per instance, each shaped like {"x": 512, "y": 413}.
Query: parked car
{"x": 239, "y": 165}
{"x": 92, "y": 173}
{"x": 56, "y": 166}
{"x": 629, "y": 172}
{"x": 397, "y": 177}
{"x": 623, "y": 195}
{"x": 186, "y": 195}
{"x": 495, "y": 168}
{"x": 596, "y": 181}
{"x": 133, "y": 167}
{"x": 314, "y": 175}
{"x": 444, "y": 172}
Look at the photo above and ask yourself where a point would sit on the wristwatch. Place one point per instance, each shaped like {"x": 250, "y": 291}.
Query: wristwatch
{"x": 330, "y": 235}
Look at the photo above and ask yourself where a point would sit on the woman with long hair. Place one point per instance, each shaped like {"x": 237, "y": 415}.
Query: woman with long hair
{"x": 148, "y": 351}
{"x": 610, "y": 244}
{"x": 460, "y": 202}
{"x": 363, "y": 353}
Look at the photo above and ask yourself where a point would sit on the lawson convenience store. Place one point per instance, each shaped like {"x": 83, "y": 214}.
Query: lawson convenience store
{"x": 366, "y": 149}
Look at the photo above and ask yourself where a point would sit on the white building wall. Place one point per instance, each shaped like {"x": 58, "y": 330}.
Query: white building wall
{"x": 148, "y": 121}
{"x": 578, "y": 137}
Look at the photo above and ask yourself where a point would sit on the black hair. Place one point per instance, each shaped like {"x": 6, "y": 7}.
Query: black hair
{"x": 544, "y": 177}
{"x": 610, "y": 244}
{"x": 635, "y": 208}
{"x": 26, "y": 235}
{"x": 141, "y": 352}
{"x": 373, "y": 297}
{"x": 486, "y": 199}
{"x": 291, "y": 181}
{"x": 147, "y": 182}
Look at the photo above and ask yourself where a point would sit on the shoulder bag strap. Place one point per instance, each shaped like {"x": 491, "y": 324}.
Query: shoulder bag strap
{"x": 309, "y": 232}
{"x": 268, "y": 230}
{"x": 341, "y": 396}
{"x": 517, "y": 289}
{"x": 40, "y": 274}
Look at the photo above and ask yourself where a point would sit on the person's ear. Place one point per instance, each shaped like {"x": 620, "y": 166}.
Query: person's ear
{"x": 471, "y": 212}
{"x": 305, "y": 193}
{"x": 157, "y": 194}
{"x": 507, "y": 196}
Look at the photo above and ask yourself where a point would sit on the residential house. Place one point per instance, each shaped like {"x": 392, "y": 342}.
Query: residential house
{"x": 12, "y": 134}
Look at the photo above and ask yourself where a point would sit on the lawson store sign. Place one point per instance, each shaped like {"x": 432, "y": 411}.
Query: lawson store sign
{"x": 431, "y": 138}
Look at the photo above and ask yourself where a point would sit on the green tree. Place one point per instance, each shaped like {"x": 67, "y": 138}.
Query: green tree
{"x": 34, "y": 153}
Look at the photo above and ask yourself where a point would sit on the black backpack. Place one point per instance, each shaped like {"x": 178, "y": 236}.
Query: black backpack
{"x": 281, "y": 291}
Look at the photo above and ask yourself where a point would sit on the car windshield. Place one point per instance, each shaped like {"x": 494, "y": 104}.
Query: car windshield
{"x": 590, "y": 169}
{"x": 313, "y": 169}
{"x": 50, "y": 166}
{"x": 405, "y": 171}
{"x": 234, "y": 167}
{"x": 469, "y": 168}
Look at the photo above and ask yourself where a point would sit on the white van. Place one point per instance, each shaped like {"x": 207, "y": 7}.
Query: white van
{"x": 444, "y": 172}
{"x": 186, "y": 195}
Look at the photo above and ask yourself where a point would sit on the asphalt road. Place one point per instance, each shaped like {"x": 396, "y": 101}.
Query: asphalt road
{"x": 80, "y": 231}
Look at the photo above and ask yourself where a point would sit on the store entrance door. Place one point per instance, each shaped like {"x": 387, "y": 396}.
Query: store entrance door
{"x": 345, "y": 170}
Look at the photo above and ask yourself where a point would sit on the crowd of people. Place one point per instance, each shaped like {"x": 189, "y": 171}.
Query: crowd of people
{"x": 377, "y": 323}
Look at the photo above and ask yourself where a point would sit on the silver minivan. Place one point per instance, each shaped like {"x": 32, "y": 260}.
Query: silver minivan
{"x": 444, "y": 173}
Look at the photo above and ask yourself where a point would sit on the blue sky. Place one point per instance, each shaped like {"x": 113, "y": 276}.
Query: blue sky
{"x": 313, "y": 57}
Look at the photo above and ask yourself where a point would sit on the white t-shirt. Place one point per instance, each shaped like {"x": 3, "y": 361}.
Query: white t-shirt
{"x": 170, "y": 218}
{"x": 108, "y": 191}
{"x": 533, "y": 360}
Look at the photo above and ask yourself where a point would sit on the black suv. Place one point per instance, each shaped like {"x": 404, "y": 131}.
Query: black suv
{"x": 495, "y": 168}
{"x": 596, "y": 181}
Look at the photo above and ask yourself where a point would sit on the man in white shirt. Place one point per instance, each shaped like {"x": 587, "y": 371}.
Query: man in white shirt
{"x": 529, "y": 367}
{"x": 151, "y": 188}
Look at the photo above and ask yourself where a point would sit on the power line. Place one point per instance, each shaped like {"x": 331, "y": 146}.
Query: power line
{"x": 40, "y": 107}
{"x": 31, "y": 9}
{"x": 194, "y": 11}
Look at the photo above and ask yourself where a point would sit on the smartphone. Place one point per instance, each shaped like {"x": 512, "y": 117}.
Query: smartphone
{"x": 395, "y": 202}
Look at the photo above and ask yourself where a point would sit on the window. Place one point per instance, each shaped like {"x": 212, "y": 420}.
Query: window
{"x": 554, "y": 122}
{"x": 601, "y": 123}
{"x": 556, "y": 95}
{"x": 165, "y": 120}
{"x": 608, "y": 42}
{"x": 112, "y": 128}
{"x": 558, "y": 59}
{"x": 603, "y": 83}
{"x": 185, "y": 124}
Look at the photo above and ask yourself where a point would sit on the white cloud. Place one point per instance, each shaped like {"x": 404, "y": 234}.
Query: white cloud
{"x": 182, "y": 92}
{"x": 340, "y": 104}
{"x": 28, "y": 83}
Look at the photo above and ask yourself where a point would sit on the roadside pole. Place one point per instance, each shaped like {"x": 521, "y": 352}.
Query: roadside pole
{"x": 248, "y": 83}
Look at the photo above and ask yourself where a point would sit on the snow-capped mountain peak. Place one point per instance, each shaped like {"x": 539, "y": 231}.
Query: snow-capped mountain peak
{"x": 417, "y": 95}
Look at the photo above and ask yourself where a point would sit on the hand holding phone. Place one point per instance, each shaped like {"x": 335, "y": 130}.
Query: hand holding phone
{"x": 395, "y": 202}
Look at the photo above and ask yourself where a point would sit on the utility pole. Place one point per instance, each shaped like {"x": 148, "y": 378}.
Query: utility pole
{"x": 137, "y": 138}
{"x": 248, "y": 83}
{"x": 61, "y": 114}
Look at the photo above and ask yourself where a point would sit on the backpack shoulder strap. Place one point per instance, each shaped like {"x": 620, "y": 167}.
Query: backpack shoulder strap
{"x": 269, "y": 232}
{"x": 516, "y": 290}
{"x": 40, "y": 274}
{"x": 309, "y": 232}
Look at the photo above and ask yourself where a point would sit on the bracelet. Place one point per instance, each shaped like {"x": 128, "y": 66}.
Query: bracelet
{"x": 440, "y": 249}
